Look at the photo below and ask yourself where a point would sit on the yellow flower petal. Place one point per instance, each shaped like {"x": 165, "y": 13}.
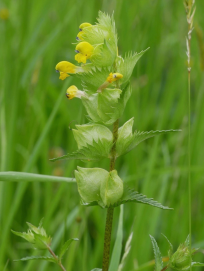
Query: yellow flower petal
{"x": 80, "y": 58}
{"x": 63, "y": 75}
{"x": 114, "y": 77}
{"x": 79, "y": 35}
{"x": 66, "y": 67}
{"x": 84, "y": 25}
{"x": 71, "y": 92}
{"x": 85, "y": 49}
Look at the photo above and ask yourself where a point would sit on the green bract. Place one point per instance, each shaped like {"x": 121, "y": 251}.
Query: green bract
{"x": 99, "y": 185}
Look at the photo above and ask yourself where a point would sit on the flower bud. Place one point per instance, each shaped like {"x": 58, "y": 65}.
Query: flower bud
{"x": 114, "y": 77}
{"x": 73, "y": 92}
{"x": 181, "y": 259}
{"x": 111, "y": 189}
{"x": 36, "y": 236}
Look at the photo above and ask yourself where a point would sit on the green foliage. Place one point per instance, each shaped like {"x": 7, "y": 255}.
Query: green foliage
{"x": 125, "y": 66}
{"x": 157, "y": 255}
{"x": 65, "y": 247}
{"x": 116, "y": 254}
{"x": 44, "y": 258}
{"x": 37, "y": 236}
{"x": 128, "y": 140}
{"x": 94, "y": 78}
{"x": 86, "y": 134}
{"x": 130, "y": 195}
{"x": 111, "y": 189}
{"x": 99, "y": 185}
{"x": 89, "y": 182}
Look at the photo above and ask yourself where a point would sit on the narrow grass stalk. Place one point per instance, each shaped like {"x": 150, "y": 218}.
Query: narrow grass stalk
{"x": 109, "y": 218}
{"x": 190, "y": 14}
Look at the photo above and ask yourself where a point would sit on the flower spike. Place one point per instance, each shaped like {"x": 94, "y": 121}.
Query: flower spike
{"x": 84, "y": 51}
{"x": 73, "y": 92}
{"x": 112, "y": 77}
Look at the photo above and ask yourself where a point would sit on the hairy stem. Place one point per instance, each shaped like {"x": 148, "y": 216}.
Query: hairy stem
{"x": 109, "y": 218}
{"x": 56, "y": 258}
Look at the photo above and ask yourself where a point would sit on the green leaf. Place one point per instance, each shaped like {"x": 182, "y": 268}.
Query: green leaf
{"x": 93, "y": 79}
{"x": 44, "y": 258}
{"x": 197, "y": 264}
{"x": 86, "y": 134}
{"x": 157, "y": 255}
{"x": 115, "y": 259}
{"x": 94, "y": 152}
{"x": 138, "y": 137}
{"x": 130, "y": 195}
{"x": 170, "y": 252}
{"x": 124, "y": 137}
{"x": 105, "y": 106}
{"x": 65, "y": 247}
{"x": 125, "y": 66}
{"x": 12, "y": 176}
{"x": 28, "y": 236}
{"x": 108, "y": 106}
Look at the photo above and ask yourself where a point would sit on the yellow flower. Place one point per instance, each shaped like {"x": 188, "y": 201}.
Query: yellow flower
{"x": 84, "y": 51}
{"x": 82, "y": 26}
{"x": 65, "y": 67}
{"x": 73, "y": 92}
{"x": 114, "y": 77}
{"x": 4, "y": 13}
{"x": 79, "y": 35}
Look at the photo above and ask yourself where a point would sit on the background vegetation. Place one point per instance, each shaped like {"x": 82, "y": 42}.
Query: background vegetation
{"x": 35, "y": 117}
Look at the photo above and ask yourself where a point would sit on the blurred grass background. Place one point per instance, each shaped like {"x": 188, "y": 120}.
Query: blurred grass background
{"x": 35, "y": 117}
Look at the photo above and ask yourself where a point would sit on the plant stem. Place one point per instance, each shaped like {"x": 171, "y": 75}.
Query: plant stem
{"x": 56, "y": 258}
{"x": 190, "y": 14}
{"x": 109, "y": 218}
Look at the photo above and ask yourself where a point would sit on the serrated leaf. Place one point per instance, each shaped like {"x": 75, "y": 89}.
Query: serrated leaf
{"x": 94, "y": 152}
{"x": 170, "y": 246}
{"x": 125, "y": 66}
{"x": 197, "y": 264}
{"x": 138, "y": 137}
{"x": 108, "y": 104}
{"x": 65, "y": 247}
{"x": 157, "y": 255}
{"x": 28, "y": 236}
{"x": 130, "y": 195}
{"x": 86, "y": 134}
{"x": 124, "y": 136}
{"x": 93, "y": 79}
{"x": 44, "y": 258}
{"x": 105, "y": 107}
